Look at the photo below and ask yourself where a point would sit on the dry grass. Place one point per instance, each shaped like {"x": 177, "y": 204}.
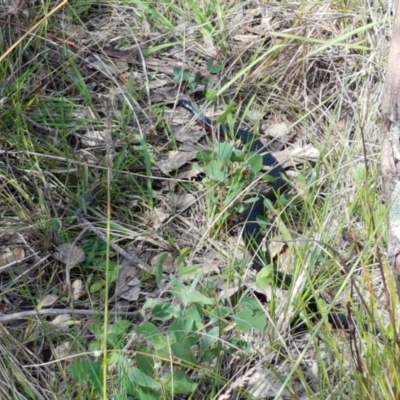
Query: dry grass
{"x": 87, "y": 107}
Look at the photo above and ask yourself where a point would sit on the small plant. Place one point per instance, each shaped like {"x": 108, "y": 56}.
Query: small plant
{"x": 195, "y": 79}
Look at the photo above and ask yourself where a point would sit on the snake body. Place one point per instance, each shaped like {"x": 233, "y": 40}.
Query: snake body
{"x": 253, "y": 235}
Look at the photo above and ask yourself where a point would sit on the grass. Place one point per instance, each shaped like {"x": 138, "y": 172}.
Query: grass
{"x": 86, "y": 128}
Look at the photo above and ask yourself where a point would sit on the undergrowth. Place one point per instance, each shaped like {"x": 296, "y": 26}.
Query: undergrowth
{"x": 123, "y": 274}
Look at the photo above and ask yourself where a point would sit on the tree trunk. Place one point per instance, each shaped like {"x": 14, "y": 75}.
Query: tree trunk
{"x": 391, "y": 147}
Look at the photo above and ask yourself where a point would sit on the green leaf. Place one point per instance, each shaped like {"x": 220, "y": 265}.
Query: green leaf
{"x": 189, "y": 294}
{"x": 208, "y": 340}
{"x": 159, "y": 267}
{"x": 248, "y": 319}
{"x": 145, "y": 363}
{"x": 188, "y": 271}
{"x": 216, "y": 171}
{"x": 178, "y": 382}
{"x": 180, "y": 74}
{"x": 120, "y": 326}
{"x": 211, "y": 94}
{"x": 184, "y": 331}
{"x": 140, "y": 378}
{"x": 184, "y": 352}
{"x": 88, "y": 371}
{"x": 225, "y": 114}
{"x": 265, "y": 276}
{"x": 256, "y": 163}
{"x": 205, "y": 156}
{"x": 213, "y": 67}
{"x": 97, "y": 287}
{"x": 165, "y": 311}
{"x": 183, "y": 253}
{"x": 193, "y": 313}
{"x": 116, "y": 330}
{"x": 251, "y": 303}
{"x": 205, "y": 80}
{"x": 151, "y": 332}
{"x": 224, "y": 152}
{"x": 143, "y": 393}
{"x": 237, "y": 155}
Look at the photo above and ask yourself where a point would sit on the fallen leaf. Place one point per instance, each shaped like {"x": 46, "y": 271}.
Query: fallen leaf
{"x": 128, "y": 283}
{"x": 277, "y": 130}
{"x": 93, "y": 138}
{"x": 174, "y": 160}
{"x": 168, "y": 264}
{"x": 63, "y": 350}
{"x": 63, "y": 322}
{"x": 69, "y": 254}
{"x": 292, "y": 157}
{"x": 77, "y": 289}
{"x": 180, "y": 202}
{"x": 47, "y": 300}
{"x": 9, "y": 255}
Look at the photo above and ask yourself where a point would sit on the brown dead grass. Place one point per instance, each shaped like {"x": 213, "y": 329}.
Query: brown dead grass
{"x": 313, "y": 71}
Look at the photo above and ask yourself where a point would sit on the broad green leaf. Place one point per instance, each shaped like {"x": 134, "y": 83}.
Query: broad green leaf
{"x": 208, "y": 340}
{"x": 224, "y": 152}
{"x": 143, "y": 393}
{"x": 265, "y": 276}
{"x": 189, "y": 294}
{"x": 184, "y": 352}
{"x": 256, "y": 163}
{"x": 178, "y": 382}
{"x": 97, "y": 287}
{"x": 165, "y": 311}
{"x": 145, "y": 363}
{"x": 216, "y": 171}
{"x": 151, "y": 332}
{"x": 213, "y": 67}
{"x": 205, "y": 156}
{"x": 211, "y": 94}
{"x": 248, "y": 319}
{"x": 180, "y": 74}
{"x": 140, "y": 378}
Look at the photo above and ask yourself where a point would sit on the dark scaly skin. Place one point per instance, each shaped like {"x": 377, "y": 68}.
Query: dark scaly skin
{"x": 252, "y": 231}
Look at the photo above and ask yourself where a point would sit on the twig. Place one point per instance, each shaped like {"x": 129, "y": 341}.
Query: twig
{"x": 58, "y": 311}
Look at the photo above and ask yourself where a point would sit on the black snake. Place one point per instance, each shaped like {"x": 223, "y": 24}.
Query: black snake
{"x": 253, "y": 234}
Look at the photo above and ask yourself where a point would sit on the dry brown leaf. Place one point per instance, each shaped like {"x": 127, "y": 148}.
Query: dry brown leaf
{"x": 245, "y": 38}
{"x": 174, "y": 160}
{"x": 63, "y": 322}
{"x": 77, "y": 289}
{"x": 63, "y": 350}
{"x": 169, "y": 265}
{"x": 128, "y": 282}
{"x": 47, "y": 300}
{"x": 69, "y": 254}
{"x": 158, "y": 216}
{"x": 10, "y": 255}
{"x": 93, "y": 138}
{"x": 277, "y": 130}
{"x": 294, "y": 156}
{"x": 185, "y": 134}
{"x": 211, "y": 266}
{"x": 181, "y": 202}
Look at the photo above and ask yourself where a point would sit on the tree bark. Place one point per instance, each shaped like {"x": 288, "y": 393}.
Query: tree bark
{"x": 391, "y": 148}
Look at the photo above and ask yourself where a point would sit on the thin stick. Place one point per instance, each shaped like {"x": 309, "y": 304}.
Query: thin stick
{"x": 58, "y": 311}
